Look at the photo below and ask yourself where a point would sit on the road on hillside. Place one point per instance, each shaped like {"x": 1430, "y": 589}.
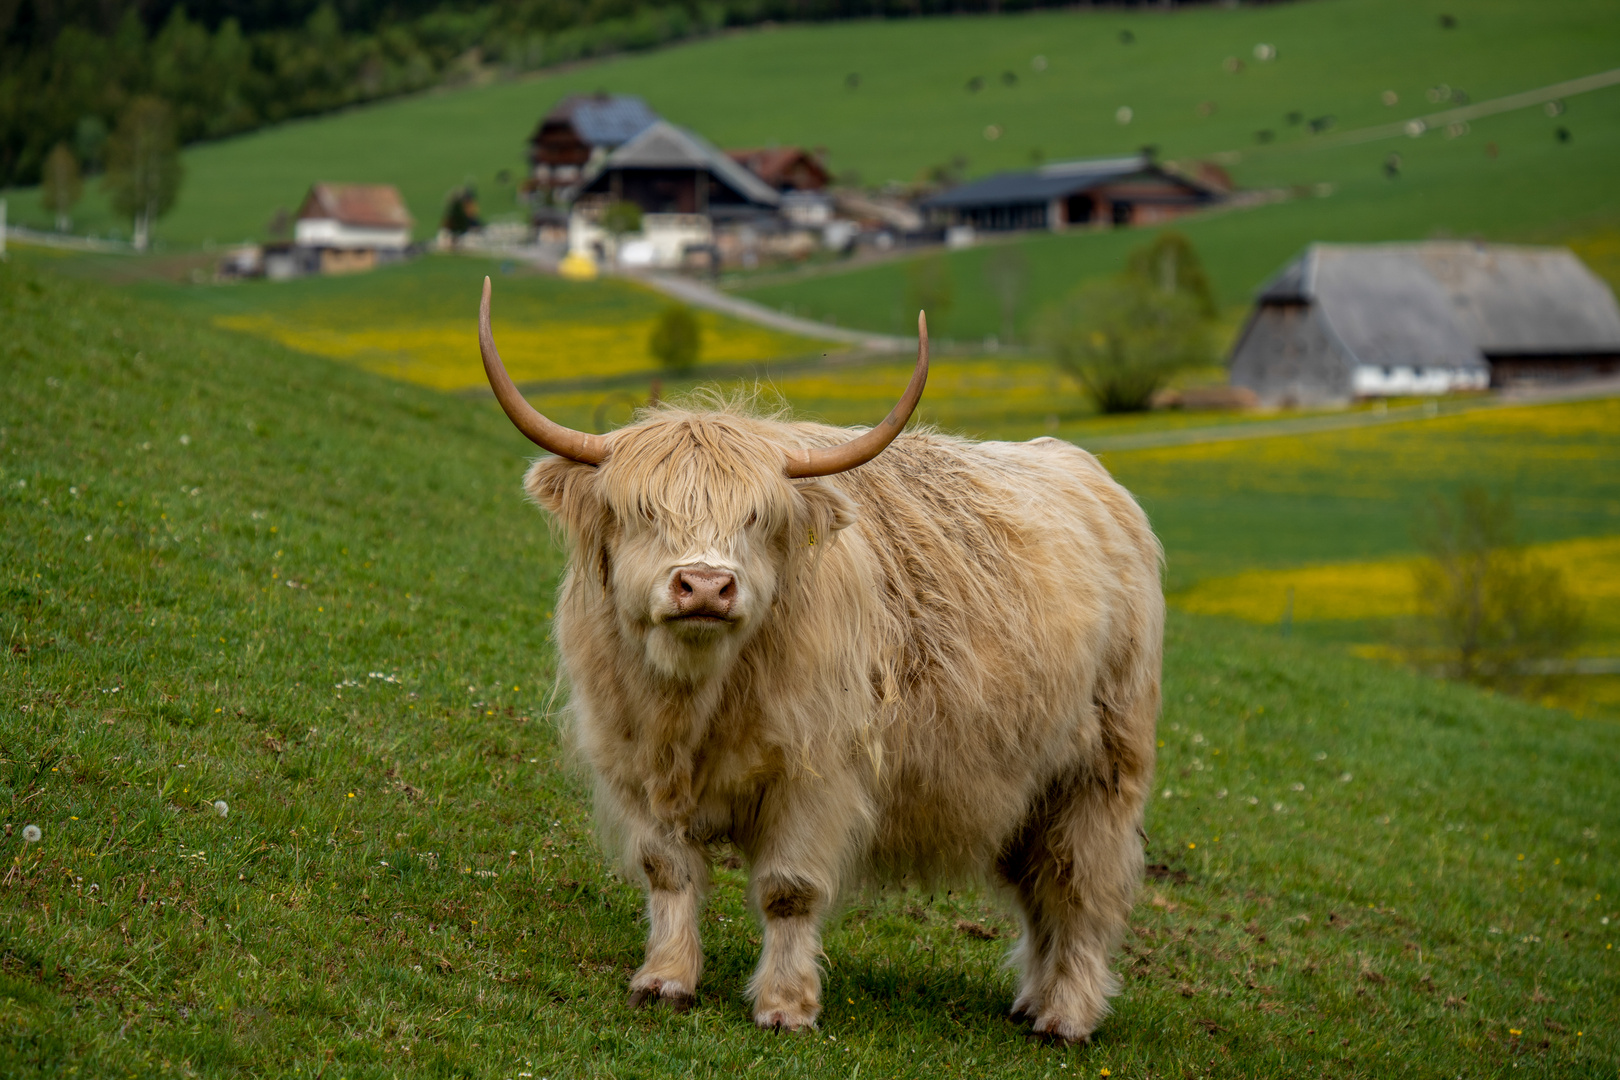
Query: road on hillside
{"x": 701, "y": 295}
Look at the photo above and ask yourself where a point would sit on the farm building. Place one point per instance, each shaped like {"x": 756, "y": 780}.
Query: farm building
{"x": 341, "y": 228}
{"x": 1097, "y": 193}
{"x": 785, "y": 168}
{"x": 669, "y": 170}
{"x": 1344, "y": 321}
{"x": 687, "y": 191}
{"x": 799, "y": 175}
{"x": 581, "y": 131}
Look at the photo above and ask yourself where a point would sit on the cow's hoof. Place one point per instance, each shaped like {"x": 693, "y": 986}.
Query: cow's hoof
{"x": 669, "y": 993}
{"x": 784, "y": 1020}
{"x": 1024, "y": 1011}
{"x": 1058, "y": 1030}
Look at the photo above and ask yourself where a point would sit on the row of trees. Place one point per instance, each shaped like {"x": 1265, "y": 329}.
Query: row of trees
{"x": 143, "y": 170}
{"x": 69, "y": 68}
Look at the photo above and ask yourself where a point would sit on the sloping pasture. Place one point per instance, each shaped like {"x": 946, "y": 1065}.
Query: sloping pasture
{"x": 237, "y": 573}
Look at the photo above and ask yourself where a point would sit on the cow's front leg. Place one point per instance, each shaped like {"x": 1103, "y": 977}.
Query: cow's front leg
{"x": 677, "y": 879}
{"x": 786, "y": 988}
{"x": 797, "y": 865}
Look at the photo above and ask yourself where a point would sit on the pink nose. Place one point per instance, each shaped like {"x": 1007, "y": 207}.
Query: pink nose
{"x": 698, "y": 591}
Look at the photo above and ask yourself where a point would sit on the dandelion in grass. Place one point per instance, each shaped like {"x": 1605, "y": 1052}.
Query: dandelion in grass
{"x": 221, "y": 807}
{"x": 31, "y": 834}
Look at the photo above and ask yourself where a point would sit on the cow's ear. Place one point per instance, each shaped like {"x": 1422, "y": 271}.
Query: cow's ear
{"x": 567, "y": 489}
{"x": 828, "y": 508}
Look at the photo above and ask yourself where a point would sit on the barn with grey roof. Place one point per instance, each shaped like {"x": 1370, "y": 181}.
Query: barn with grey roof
{"x": 1346, "y": 321}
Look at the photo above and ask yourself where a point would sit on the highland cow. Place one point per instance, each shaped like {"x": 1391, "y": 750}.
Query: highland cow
{"x": 857, "y": 656}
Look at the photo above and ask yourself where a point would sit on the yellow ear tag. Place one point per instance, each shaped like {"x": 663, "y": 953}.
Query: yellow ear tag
{"x": 812, "y": 538}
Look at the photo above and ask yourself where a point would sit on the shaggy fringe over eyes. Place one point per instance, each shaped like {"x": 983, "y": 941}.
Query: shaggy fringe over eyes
{"x": 699, "y": 476}
{"x": 700, "y": 470}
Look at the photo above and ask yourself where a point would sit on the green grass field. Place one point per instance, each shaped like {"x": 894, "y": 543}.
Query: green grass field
{"x": 912, "y": 111}
{"x": 236, "y": 572}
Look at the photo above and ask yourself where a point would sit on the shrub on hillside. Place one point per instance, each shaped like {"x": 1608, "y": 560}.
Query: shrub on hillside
{"x": 1490, "y": 612}
{"x": 1122, "y": 339}
{"x": 676, "y": 340}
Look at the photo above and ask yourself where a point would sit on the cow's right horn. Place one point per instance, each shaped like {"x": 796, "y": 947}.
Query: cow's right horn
{"x": 826, "y": 460}
{"x": 544, "y": 433}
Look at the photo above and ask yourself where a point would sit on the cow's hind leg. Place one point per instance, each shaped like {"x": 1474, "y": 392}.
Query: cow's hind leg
{"x": 677, "y": 878}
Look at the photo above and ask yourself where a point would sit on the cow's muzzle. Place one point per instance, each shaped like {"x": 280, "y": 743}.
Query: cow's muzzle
{"x": 702, "y": 594}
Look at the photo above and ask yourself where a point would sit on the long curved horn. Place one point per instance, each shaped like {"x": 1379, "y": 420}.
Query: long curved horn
{"x": 824, "y": 461}
{"x": 544, "y": 433}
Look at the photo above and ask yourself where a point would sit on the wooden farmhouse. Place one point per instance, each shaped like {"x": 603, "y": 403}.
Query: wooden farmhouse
{"x": 689, "y": 193}
{"x": 349, "y": 227}
{"x": 670, "y": 170}
{"x": 1100, "y": 192}
{"x": 1345, "y": 321}
{"x": 579, "y": 133}
{"x": 785, "y": 168}
{"x": 800, "y": 176}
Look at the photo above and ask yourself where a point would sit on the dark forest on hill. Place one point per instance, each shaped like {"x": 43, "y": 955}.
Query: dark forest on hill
{"x": 69, "y": 68}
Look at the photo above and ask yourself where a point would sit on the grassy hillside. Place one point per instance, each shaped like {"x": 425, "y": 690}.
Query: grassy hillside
{"x": 911, "y": 108}
{"x": 238, "y": 573}
{"x": 1534, "y": 189}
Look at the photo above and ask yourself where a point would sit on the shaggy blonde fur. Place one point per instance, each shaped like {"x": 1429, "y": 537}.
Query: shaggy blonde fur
{"x": 943, "y": 663}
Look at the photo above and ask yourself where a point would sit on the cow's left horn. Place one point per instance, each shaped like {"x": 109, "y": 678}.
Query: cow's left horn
{"x": 824, "y": 461}
{"x": 544, "y": 433}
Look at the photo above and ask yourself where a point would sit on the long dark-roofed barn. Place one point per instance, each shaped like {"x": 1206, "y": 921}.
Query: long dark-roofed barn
{"x": 1346, "y": 321}
{"x": 1097, "y": 192}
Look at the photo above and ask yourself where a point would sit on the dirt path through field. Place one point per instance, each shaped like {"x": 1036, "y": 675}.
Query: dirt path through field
{"x": 701, "y": 295}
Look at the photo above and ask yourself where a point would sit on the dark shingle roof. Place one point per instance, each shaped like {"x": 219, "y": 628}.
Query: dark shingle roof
{"x": 605, "y": 119}
{"x": 1051, "y": 182}
{"x": 665, "y": 146}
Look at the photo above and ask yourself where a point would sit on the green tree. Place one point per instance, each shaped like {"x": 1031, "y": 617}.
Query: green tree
{"x": 1171, "y": 264}
{"x": 676, "y": 340}
{"x": 143, "y": 165}
{"x": 90, "y": 140}
{"x": 1122, "y": 339}
{"x": 1489, "y": 611}
{"x": 621, "y": 218}
{"x": 61, "y": 185}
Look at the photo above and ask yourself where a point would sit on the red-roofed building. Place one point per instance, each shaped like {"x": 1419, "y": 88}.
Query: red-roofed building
{"x": 785, "y": 168}
{"x": 353, "y": 226}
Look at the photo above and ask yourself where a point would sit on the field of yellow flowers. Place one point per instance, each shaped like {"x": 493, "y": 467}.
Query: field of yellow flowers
{"x": 417, "y": 322}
